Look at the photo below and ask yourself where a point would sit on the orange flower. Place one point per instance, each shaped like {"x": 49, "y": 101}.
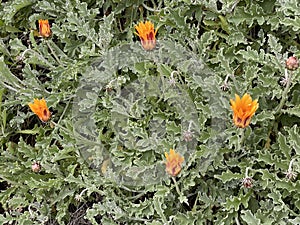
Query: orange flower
{"x": 243, "y": 110}
{"x": 39, "y": 107}
{"x": 173, "y": 163}
{"x": 147, "y": 34}
{"x": 44, "y": 28}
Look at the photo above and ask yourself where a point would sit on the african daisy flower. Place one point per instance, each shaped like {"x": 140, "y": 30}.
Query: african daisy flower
{"x": 39, "y": 107}
{"x": 173, "y": 163}
{"x": 44, "y": 28}
{"x": 147, "y": 34}
{"x": 243, "y": 110}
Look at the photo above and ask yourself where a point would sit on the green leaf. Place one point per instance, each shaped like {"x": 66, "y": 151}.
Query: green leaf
{"x": 252, "y": 55}
{"x": 292, "y": 22}
{"x": 250, "y": 14}
{"x": 14, "y": 7}
{"x": 12, "y": 81}
{"x": 294, "y": 111}
{"x": 158, "y": 208}
{"x": 183, "y": 199}
{"x": 249, "y": 218}
{"x": 283, "y": 146}
{"x": 295, "y": 139}
{"x": 3, "y": 49}
{"x": 274, "y": 44}
{"x": 236, "y": 38}
{"x": 228, "y": 176}
{"x": 264, "y": 116}
{"x": 35, "y": 130}
{"x": 205, "y": 41}
{"x": 236, "y": 201}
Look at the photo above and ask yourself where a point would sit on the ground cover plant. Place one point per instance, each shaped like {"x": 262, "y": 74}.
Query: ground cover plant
{"x": 149, "y": 112}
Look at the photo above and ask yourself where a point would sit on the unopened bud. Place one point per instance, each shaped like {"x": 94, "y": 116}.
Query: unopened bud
{"x": 36, "y": 167}
{"x": 292, "y": 63}
{"x": 19, "y": 58}
{"x": 188, "y": 136}
{"x": 78, "y": 198}
{"x": 247, "y": 182}
{"x": 290, "y": 175}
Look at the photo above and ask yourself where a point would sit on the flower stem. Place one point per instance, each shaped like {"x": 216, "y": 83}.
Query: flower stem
{"x": 285, "y": 92}
{"x": 237, "y": 220}
{"x": 53, "y": 53}
{"x": 291, "y": 165}
{"x": 181, "y": 196}
{"x": 59, "y": 126}
{"x": 176, "y": 186}
{"x": 241, "y": 138}
{"x": 195, "y": 204}
{"x": 247, "y": 171}
{"x": 38, "y": 55}
{"x": 150, "y": 9}
{"x": 190, "y": 126}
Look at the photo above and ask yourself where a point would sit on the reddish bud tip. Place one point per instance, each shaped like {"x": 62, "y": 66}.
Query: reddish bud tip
{"x": 247, "y": 182}
{"x": 36, "y": 167}
{"x": 292, "y": 63}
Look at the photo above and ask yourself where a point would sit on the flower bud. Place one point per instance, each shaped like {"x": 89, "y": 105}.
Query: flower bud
{"x": 44, "y": 28}
{"x": 188, "y": 136}
{"x": 247, "y": 182}
{"x": 36, "y": 167}
{"x": 292, "y": 63}
{"x": 290, "y": 175}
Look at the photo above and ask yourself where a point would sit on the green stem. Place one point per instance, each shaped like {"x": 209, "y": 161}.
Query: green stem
{"x": 38, "y": 55}
{"x": 236, "y": 86}
{"x": 176, "y": 186}
{"x": 195, "y": 204}
{"x": 53, "y": 53}
{"x": 150, "y": 9}
{"x": 247, "y": 172}
{"x": 59, "y": 126}
{"x": 237, "y": 220}
{"x": 288, "y": 76}
{"x": 241, "y": 138}
{"x": 63, "y": 113}
{"x": 181, "y": 196}
{"x": 284, "y": 94}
